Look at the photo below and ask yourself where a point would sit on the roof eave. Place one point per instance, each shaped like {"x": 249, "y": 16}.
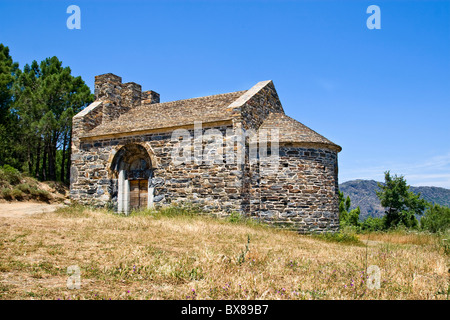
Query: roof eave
{"x": 315, "y": 145}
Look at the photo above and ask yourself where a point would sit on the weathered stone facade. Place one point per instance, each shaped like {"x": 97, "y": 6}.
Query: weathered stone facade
{"x": 131, "y": 151}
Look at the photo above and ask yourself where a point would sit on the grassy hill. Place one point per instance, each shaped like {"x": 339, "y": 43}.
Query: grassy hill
{"x": 179, "y": 254}
{"x": 16, "y": 186}
{"x": 362, "y": 193}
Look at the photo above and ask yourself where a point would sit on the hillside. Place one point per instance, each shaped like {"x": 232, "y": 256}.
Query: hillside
{"x": 16, "y": 186}
{"x": 362, "y": 193}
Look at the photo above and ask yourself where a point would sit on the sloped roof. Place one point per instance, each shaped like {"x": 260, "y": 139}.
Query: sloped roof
{"x": 292, "y": 131}
{"x": 170, "y": 114}
{"x": 214, "y": 108}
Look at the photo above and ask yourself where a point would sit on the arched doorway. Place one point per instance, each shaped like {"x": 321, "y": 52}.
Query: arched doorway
{"x": 132, "y": 166}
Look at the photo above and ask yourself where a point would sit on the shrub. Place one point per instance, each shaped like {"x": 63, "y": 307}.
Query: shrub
{"x": 24, "y": 187}
{"x": 436, "y": 219}
{"x": 7, "y": 193}
{"x": 373, "y": 224}
{"x": 41, "y": 194}
{"x": 34, "y": 192}
{"x": 10, "y": 175}
{"x": 348, "y": 217}
{"x": 44, "y": 195}
{"x": 8, "y": 169}
{"x": 17, "y": 194}
{"x": 18, "y": 186}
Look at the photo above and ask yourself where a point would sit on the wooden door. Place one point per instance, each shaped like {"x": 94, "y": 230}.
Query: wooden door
{"x": 143, "y": 194}
{"x": 138, "y": 194}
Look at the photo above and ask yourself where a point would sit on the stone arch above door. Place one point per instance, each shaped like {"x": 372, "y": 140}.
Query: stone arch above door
{"x": 132, "y": 165}
{"x": 120, "y": 150}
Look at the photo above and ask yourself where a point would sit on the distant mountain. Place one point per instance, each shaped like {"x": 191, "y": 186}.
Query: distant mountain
{"x": 362, "y": 193}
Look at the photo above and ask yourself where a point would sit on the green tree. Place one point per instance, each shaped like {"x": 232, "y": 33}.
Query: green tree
{"x": 373, "y": 224}
{"x": 8, "y": 124}
{"x": 402, "y": 204}
{"x": 46, "y": 98}
{"x": 436, "y": 219}
{"x": 346, "y": 217}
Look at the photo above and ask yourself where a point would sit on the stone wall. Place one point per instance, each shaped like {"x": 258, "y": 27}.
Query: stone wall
{"x": 300, "y": 195}
{"x": 215, "y": 187}
{"x": 255, "y": 106}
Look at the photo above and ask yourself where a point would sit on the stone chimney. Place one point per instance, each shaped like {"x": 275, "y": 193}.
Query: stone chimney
{"x": 150, "y": 97}
{"x": 131, "y": 94}
{"x": 118, "y": 98}
{"x": 108, "y": 87}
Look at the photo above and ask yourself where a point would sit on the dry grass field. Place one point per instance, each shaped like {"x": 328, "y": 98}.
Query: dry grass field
{"x": 180, "y": 255}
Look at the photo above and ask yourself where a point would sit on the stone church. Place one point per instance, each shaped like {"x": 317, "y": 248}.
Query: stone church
{"x": 130, "y": 151}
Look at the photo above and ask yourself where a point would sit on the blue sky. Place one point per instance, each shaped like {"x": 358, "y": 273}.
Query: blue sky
{"x": 383, "y": 95}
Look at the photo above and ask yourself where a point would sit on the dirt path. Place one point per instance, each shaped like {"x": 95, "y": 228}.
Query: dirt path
{"x": 24, "y": 209}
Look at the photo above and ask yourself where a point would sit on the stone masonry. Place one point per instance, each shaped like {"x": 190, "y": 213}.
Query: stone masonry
{"x": 129, "y": 151}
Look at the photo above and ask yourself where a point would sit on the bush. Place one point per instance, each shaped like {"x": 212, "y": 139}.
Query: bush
{"x": 44, "y": 195}
{"x": 17, "y": 186}
{"x": 8, "y": 169}
{"x": 373, "y": 224}
{"x": 10, "y": 175}
{"x": 348, "y": 217}
{"x": 24, "y": 187}
{"x": 7, "y": 193}
{"x": 34, "y": 192}
{"x": 39, "y": 194}
{"x": 436, "y": 219}
{"x": 17, "y": 194}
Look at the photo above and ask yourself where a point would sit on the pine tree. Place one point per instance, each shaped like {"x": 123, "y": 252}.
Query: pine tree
{"x": 46, "y": 98}
{"x": 8, "y": 124}
{"x": 401, "y": 203}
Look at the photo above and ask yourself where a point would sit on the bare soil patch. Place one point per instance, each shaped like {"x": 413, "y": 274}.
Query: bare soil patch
{"x": 16, "y": 209}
